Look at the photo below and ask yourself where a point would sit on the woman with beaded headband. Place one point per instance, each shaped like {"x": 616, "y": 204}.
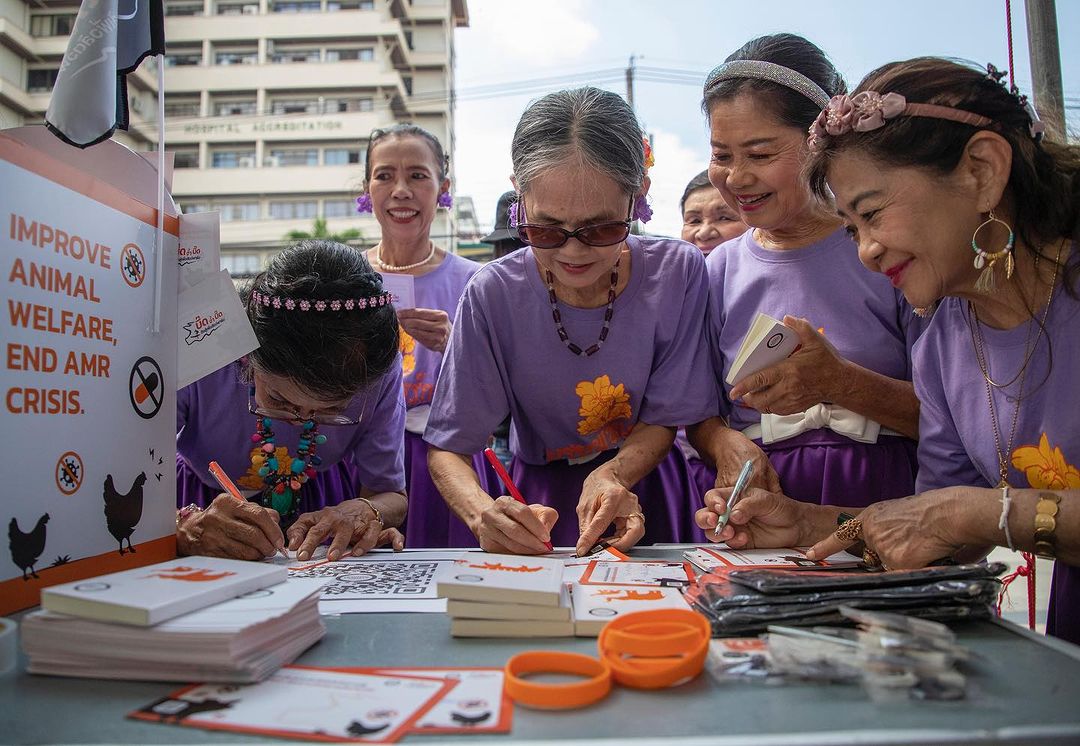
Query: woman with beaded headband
{"x": 590, "y": 340}
{"x": 406, "y": 181}
{"x": 933, "y": 165}
{"x": 835, "y": 422}
{"x": 309, "y": 425}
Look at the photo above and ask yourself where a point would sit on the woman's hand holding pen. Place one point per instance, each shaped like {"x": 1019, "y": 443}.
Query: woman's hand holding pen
{"x": 760, "y": 520}
{"x": 231, "y": 528}
{"x": 511, "y": 527}
{"x": 351, "y": 523}
{"x": 604, "y": 501}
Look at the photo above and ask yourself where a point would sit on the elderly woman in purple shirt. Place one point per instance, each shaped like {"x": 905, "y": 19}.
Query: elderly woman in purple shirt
{"x": 590, "y": 340}
{"x": 942, "y": 177}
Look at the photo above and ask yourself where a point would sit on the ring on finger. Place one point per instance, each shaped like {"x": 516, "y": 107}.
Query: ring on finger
{"x": 849, "y": 531}
{"x": 636, "y": 514}
{"x": 871, "y": 559}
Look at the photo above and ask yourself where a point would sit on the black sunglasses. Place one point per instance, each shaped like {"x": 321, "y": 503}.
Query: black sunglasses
{"x": 553, "y": 237}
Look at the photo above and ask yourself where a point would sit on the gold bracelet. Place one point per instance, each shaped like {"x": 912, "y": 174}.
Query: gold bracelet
{"x": 378, "y": 515}
{"x": 1045, "y": 510}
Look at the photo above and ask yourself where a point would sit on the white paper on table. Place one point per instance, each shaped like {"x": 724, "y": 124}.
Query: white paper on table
{"x": 199, "y": 254}
{"x": 213, "y": 328}
{"x": 402, "y": 287}
{"x": 575, "y": 567}
{"x": 383, "y": 606}
{"x": 476, "y": 705}
{"x": 405, "y": 578}
{"x": 299, "y": 701}
{"x": 711, "y": 558}
{"x": 672, "y": 574}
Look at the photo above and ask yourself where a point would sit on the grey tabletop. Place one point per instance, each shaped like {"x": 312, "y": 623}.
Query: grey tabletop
{"x": 1024, "y": 689}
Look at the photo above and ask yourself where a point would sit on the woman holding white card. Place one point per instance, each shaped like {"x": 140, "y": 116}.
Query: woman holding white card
{"x": 834, "y": 423}
{"x": 406, "y": 182}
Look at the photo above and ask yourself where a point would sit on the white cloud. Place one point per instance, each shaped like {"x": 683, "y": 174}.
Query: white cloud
{"x": 676, "y": 164}
{"x": 532, "y": 33}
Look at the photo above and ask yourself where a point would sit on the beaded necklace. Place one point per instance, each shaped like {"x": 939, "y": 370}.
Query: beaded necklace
{"x": 608, "y": 313}
{"x": 403, "y": 267}
{"x": 281, "y": 491}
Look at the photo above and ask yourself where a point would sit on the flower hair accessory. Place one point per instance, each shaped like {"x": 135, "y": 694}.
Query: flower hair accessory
{"x": 869, "y": 110}
{"x": 363, "y": 203}
{"x": 320, "y": 304}
{"x": 641, "y": 211}
{"x": 512, "y": 216}
{"x": 650, "y": 161}
{"x": 445, "y": 200}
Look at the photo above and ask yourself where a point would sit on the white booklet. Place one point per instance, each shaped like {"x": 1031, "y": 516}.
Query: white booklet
{"x": 767, "y": 342}
{"x": 596, "y": 605}
{"x": 503, "y": 578}
{"x": 152, "y": 594}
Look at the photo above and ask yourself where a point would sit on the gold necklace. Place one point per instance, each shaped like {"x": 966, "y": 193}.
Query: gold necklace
{"x": 403, "y": 267}
{"x": 980, "y": 357}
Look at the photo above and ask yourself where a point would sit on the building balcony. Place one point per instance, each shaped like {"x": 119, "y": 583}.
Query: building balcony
{"x": 262, "y": 234}
{"x": 333, "y": 25}
{"x": 50, "y": 46}
{"x": 14, "y": 37}
{"x": 352, "y": 126}
{"x": 268, "y": 181}
{"x": 15, "y": 97}
{"x": 286, "y": 76}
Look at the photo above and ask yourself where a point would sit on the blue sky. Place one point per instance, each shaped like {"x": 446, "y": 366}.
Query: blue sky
{"x": 509, "y": 41}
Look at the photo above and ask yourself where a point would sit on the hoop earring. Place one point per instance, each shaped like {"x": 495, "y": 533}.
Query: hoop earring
{"x": 985, "y": 260}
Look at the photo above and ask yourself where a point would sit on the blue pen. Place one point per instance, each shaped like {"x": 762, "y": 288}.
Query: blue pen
{"x": 740, "y": 484}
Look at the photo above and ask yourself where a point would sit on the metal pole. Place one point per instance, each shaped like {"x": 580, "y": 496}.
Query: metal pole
{"x": 630, "y": 83}
{"x": 1046, "y": 66}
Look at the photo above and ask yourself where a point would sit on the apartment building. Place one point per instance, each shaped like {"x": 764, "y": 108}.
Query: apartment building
{"x": 268, "y": 103}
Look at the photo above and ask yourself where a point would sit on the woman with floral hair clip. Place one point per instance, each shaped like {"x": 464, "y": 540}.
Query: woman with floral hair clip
{"x": 309, "y": 425}
{"x": 835, "y": 422}
{"x": 590, "y": 340}
{"x": 941, "y": 176}
{"x": 406, "y": 181}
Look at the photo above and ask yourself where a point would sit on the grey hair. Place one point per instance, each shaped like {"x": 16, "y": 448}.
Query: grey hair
{"x": 597, "y": 126}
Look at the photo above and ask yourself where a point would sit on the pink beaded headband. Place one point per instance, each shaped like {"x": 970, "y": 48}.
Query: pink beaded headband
{"x": 869, "y": 110}
{"x": 307, "y": 304}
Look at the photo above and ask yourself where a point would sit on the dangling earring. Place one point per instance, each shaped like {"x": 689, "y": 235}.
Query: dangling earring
{"x": 363, "y": 203}
{"x": 985, "y": 260}
{"x": 641, "y": 210}
{"x": 445, "y": 200}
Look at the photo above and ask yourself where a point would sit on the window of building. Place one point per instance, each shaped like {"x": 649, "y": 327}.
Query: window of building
{"x": 40, "y": 81}
{"x": 283, "y": 56}
{"x": 241, "y": 265}
{"x": 296, "y": 6}
{"x": 186, "y": 158}
{"x": 295, "y": 106}
{"x": 341, "y": 156}
{"x": 233, "y": 159}
{"x": 338, "y": 208}
{"x": 183, "y": 9}
{"x": 52, "y": 25}
{"x": 236, "y": 57}
{"x": 181, "y": 56}
{"x": 342, "y": 105}
{"x": 238, "y": 108}
{"x": 189, "y": 208}
{"x": 293, "y": 210}
{"x": 350, "y": 5}
{"x": 232, "y": 212}
{"x": 293, "y": 157}
{"x": 178, "y": 106}
{"x": 237, "y": 9}
{"x": 362, "y": 54}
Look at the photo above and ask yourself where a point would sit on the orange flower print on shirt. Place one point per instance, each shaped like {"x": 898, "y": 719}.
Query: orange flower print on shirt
{"x": 601, "y": 403}
{"x": 407, "y": 345}
{"x": 251, "y": 479}
{"x": 1046, "y": 467}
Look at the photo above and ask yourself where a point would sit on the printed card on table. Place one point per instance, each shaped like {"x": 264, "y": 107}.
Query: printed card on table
{"x": 713, "y": 559}
{"x": 402, "y": 287}
{"x": 574, "y": 567}
{"x": 671, "y": 574}
{"x": 504, "y": 578}
{"x": 306, "y": 703}
{"x": 213, "y": 329}
{"x": 596, "y": 605}
{"x": 476, "y": 705}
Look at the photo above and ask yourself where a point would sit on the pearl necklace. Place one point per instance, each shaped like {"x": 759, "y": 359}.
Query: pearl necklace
{"x": 403, "y": 267}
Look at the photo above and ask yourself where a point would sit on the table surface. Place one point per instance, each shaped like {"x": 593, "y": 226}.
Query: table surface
{"x": 1023, "y": 688}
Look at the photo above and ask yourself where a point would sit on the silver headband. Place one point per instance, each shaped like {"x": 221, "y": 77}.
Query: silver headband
{"x": 772, "y": 72}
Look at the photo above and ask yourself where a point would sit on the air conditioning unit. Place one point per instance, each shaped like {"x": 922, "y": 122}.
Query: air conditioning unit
{"x": 247, "y": 161}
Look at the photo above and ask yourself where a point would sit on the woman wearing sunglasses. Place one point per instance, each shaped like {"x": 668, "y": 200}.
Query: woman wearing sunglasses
{"x": 590, "y": 340}
{"x": 309, "y": 425}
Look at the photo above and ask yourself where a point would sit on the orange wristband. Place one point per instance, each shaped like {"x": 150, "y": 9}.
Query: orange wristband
{"x": 655, "y": 673}
{"x": 557, "y": 696}
{"x": 655, "y": 649}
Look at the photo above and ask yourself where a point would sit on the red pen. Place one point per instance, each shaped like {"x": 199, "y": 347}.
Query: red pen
{"x": 514, "y": 492}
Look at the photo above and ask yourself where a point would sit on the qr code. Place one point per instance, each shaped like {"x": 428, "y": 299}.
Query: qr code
{"x": 374, "y": 579}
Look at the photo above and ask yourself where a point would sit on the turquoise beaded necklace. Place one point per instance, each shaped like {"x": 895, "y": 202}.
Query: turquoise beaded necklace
{"x": 282, "y": 490}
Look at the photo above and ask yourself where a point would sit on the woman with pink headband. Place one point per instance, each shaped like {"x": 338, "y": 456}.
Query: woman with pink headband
{"x": 309, "y": 425}
{"x": 834, "y": 423}
{"x": 942, "y": 178}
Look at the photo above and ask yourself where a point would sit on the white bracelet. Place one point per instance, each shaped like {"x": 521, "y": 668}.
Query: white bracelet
{"x": 1003, "y": 521}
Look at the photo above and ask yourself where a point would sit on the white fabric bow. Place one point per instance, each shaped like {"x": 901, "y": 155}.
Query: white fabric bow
{"x": 776, "y": 427}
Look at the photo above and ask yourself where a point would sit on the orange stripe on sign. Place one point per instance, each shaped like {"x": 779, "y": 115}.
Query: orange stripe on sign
{"x": 35, "y": 161}
{"x": 17, "y": 594}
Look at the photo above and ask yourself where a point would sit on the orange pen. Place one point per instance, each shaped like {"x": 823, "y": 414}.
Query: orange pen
{"x": 227, "y": 485}
{"x": 510, "y": 486}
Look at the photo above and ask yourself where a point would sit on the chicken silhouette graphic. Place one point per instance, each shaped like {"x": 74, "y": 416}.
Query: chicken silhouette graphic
{"x": 170, "y": 710}
{"x": 358, "y": 729}
{"x": 629, "y": 595}
{"x": 505, "y": 568}
{"x": 467, "y": 720}
{"x": 27, "y": 547}
{"x": 197, "y": 575}
{"x": 122, "y": 512}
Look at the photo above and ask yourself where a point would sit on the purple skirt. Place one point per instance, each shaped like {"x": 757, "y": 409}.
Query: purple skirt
{"x": 430, "y": 522}
{"x": 329, "y": 487}
{"x": 1063, "y": 619}
{"x": 825, "y": 468}
{"x": 668, "y": 496}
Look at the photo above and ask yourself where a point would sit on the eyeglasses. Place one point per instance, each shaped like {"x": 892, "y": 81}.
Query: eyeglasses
{"x": 552, "y": 237}
{"x": 286, "y": 415}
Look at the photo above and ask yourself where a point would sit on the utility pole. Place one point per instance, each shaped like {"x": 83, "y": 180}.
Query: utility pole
{"x": 630, "y": 82}
{"x": 1046, "y": 66}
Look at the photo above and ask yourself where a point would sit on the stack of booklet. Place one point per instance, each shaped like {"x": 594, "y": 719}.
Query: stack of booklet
{"x": 494, "y": 595}
{"x": 194, "y": 618}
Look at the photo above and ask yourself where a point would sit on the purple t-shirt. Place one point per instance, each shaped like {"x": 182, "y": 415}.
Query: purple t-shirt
{"x": 213, "y": 423}
{"x": 505, "y": 357}
{"x": 439, "y": 289}
{"x": 861, "y": 314}
{"x": 956, "y": 441}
